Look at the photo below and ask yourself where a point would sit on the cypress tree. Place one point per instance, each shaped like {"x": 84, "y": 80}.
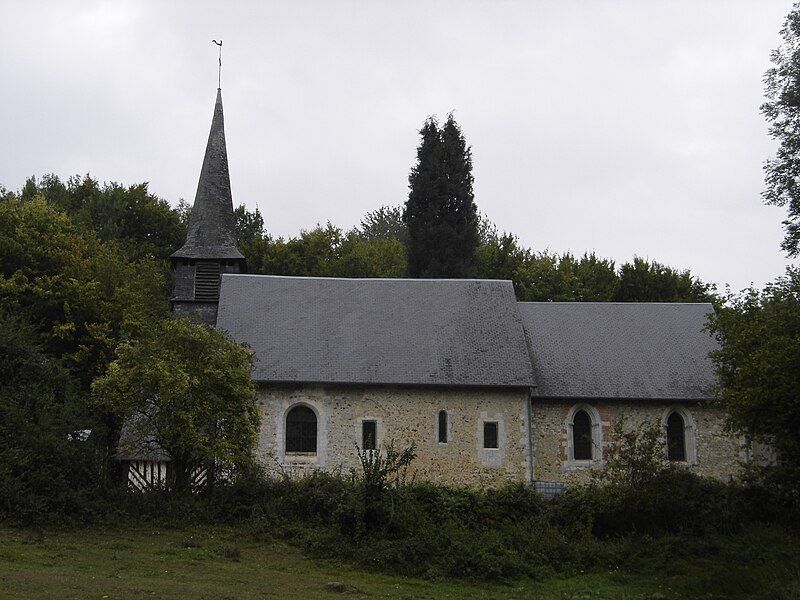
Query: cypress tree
{"x": 440, "y": 213}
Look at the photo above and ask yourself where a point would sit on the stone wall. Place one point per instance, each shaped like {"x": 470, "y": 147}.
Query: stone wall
{"x": 710, "y": 451}
{"x": 403, "y": 415}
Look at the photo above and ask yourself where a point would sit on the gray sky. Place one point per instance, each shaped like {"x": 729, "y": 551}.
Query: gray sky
{"x": 620, "y": 127}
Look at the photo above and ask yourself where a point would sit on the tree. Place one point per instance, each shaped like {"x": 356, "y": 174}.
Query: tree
{"x": 252, "y": 239}
{"x": 385, "y": 223}
{"x": 185, "y": 388}
{"x": 782, "y": 111}
{"x": 597, "y": 278}
{"x": 83, "y": 297}
{"x": 376, "y": 257}
{"x": 635, "y": 455}
{"x": 645, "y": 281}
{"x": 758, "y": 364}
{"x": 440, "y": 213}
{"x": 46, "y": 466}
{"x": 143, "y": 224}
{"x": 501, "y": 257}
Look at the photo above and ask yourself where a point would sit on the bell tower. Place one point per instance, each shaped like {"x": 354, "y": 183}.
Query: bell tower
{"x": 210, "y": 248}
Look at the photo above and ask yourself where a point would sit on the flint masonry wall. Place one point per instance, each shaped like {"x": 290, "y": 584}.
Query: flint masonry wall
{"x": 403, "y": 415}
{"x": 715, "y": 453}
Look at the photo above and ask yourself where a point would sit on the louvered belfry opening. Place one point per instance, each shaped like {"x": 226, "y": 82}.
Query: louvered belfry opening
{"x": 206, "y": 280}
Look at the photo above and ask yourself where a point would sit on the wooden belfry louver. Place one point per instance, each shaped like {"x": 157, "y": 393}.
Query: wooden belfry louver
{"x": 206, "y": 280}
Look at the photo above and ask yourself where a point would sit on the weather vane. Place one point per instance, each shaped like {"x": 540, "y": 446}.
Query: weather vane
{"x": 219, "y": 75}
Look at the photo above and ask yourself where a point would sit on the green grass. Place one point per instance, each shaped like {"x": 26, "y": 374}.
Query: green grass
{"x": 140, "y": 562}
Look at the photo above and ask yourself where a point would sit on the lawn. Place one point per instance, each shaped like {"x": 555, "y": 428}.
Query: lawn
{"x": 135, "y": 562}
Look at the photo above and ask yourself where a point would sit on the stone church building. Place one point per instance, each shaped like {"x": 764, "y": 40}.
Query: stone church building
{"x": 488, "y": 389}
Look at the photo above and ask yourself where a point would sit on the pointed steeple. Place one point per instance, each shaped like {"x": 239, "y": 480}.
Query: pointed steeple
{"x": 211, "y": 233}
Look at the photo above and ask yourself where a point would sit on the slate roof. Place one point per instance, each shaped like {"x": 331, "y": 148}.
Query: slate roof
{"x": 620, "y": 350}
{"x": 378, "y": 331}
{"x": 211, "y": 232}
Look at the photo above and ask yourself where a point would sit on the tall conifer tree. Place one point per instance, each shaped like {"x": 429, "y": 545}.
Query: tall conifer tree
{"x": 440, "y": 213}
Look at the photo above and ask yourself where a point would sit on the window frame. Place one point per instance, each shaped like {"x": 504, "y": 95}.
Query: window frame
{"x": 304, "y": 437}
{"x": 597, "y": 442}
{"x": 582, "y": 445}
{"x": 675, "y": 432}
{"x": 442, "y": 427}
{"x": 689, "y": 435}
{"x": 488, "y": 425}
{"x": 364, "y": 425}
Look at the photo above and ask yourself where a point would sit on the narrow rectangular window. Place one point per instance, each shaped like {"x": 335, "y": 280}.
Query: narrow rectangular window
{"x": 442, "y": 427}
{"x": 490, "y": 434}
{"x": 369, "y": 435}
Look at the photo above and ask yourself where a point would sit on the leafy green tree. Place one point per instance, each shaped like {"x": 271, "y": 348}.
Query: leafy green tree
{"x": 597, "y": 279}
{"x": 758, "y": 365}
{"x": 636, "y": 455}
{"x": 440, "y": 212}
{"x": 385, "y": 223}
{"x": 376, "y": 257}
{"x": 782, "y": 110}
{"x": 253, "y": 240}
{"x": 82, "y": 295}
{"x": 545, "y": 278}
{"x": 145, "y": 225}
{"x": 645, "y": 281}
{"x": 46, "y": 462}
{"x": 501, "y": 257}
{"x": 186, "y": 388}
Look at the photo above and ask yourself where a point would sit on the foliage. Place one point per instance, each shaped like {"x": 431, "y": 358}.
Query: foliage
{"x": 82, "y": 295}
{"x": 440, "y": 212}
{"x": 382, "y": 470}
{"x": 385, "y": 223}
{"x": 782, "y": 111}
{"x": 321, "y": 252}
{"x": 46, "y": 462}
{"x": 385, "y": 468}
{"x": 143, "y": 224}
{"x": 644, "y": 281}
{"x": 187, "y": 389}
{"x": 252, "y": 239}
{"x": 376, "y": 249}
{"x": 640, "y": 491}
{"x": 635, "y": 455}
{"x": 424, "y": 529}
{"x": 758, "y": 365}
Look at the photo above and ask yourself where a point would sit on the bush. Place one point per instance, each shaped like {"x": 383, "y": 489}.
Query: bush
{"x": 429, "y": 530}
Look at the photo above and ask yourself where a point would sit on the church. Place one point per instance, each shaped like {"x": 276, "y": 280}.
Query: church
{"x": 488, "y": 389}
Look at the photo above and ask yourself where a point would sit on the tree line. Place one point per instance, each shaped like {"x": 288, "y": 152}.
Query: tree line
{"x": 144, "y": 225}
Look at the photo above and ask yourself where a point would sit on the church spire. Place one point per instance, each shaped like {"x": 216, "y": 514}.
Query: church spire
{"x": 211, "y": 233}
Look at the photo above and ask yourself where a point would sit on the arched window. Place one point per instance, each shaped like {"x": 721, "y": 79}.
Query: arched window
{"x": 582, "y": 436}
{"x": 442, "y": 426}
{"x": 301, "y": 430}
{"x": 676, "y": 437}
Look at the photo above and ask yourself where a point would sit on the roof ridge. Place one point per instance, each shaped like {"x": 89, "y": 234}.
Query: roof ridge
{"x": 359, "y": 278}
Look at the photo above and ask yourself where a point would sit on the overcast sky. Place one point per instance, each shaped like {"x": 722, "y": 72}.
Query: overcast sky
{"x": 620, "y": 127}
